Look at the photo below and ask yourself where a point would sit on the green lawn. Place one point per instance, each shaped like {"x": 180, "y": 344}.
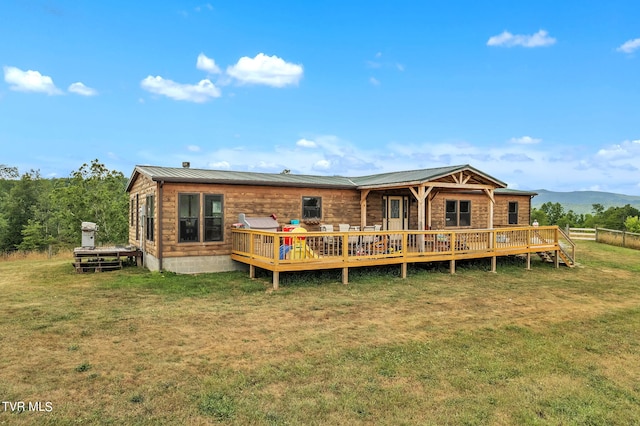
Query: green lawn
{"x": 544, "y": 346}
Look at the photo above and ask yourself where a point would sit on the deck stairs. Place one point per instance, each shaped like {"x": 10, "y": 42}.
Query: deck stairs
{"x": 566, "y": 254}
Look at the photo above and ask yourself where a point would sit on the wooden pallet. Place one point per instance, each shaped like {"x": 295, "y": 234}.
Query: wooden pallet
{"x": 97, "y": 264}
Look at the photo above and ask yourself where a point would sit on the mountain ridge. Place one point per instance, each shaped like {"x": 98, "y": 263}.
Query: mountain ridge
{"x": 581, "y": 202}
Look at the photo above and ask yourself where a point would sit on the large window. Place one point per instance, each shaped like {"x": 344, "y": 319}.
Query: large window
{"x": 458, "y": 213}
{"x": 193, "y": 222}
{"x": 513, "y": 212}
{"x": 213, "y": 218}
{"x": 150, "y": 216}
{"x": 189, "y": 213}
{"x": 311, "y": 208}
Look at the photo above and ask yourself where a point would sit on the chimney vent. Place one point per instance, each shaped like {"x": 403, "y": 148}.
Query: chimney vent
{"x": 186, "y": 164}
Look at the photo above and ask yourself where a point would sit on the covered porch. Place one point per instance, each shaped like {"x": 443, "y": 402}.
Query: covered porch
{"x": 441, "y": 199}
{"x": 286, "y": 251}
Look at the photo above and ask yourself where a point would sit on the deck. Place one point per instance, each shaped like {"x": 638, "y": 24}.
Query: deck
{"x": 100, "y": 259}
{"x": 284, "y": 251}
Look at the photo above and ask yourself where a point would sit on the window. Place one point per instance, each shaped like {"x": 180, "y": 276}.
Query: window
{"x": 213, "y": 218}
{"x": 513, "y": 212}
{"x": 458, "y": 213}
{"x": 132, "y": 210}
{"x": 189, "y": 212}
{"x": 137, "y": 216}
{"x": 394, "y": 208}
{"x": 311, "y": 208}
{"x": 465, "y": 213}
{"x": 150, "y": 216}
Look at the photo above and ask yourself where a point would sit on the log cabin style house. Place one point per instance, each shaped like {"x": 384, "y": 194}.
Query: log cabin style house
{"x": 182, "y": 218}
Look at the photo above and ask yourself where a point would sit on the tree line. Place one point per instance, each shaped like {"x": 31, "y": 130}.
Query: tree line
{"x": 618, "y": 218}
{"x": 38, "y": 213}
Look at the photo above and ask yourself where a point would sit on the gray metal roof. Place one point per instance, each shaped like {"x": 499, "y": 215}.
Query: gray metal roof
{"x": 178, "y": 174}
{"x": 422, "y": 175}
{"x": 507, "y": 191}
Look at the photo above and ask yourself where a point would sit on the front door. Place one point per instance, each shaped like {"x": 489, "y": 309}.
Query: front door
{"x": 395, "y": 214}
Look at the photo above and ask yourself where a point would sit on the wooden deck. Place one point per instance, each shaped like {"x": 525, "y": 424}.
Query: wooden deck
{"x": 284, "y": 251}
{"x": 100, "y": 259}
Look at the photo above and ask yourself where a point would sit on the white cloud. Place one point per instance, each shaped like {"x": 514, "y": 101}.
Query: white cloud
{"x": 268, "y": 70}
{"x": 629, "y": 46}
{"x": 623, "y": 151}
{"x": 193, "y": 148}
{"x": 525, "y": 140}
{"x": 322, "y": 165}
{"x": 29, "y": 81}
{"x": 207, "y": 64}
{"x": 506, "y": 39}
{"x": 374, "y": 81}
{"x": 400, "y": 67}
{"x": 204, "y": 6}
{"x": 220, "y": 165}
{"x": 199, "y": 93}
{"x": 305, "y": 143}
{"x": 80, "y": 89}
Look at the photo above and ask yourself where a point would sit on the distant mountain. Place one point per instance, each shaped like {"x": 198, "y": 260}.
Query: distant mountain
{"x": 581, "y": 201}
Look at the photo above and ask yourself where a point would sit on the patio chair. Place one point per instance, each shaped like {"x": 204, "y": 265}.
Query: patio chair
{"x": 328, "y": 241}
{"x": 367, "y": 240}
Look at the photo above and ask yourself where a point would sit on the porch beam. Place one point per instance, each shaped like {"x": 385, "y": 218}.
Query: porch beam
{"x": 363, "y": 207}
{"x": 435, "y": 184}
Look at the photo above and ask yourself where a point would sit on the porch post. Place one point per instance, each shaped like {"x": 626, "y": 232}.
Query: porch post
{"x": 363, "y": 208}
{"x": 489, "y": 193}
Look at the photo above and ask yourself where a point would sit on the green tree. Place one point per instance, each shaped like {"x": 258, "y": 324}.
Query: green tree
{"x": 597, "y": 208}
{"x": 34, "y": 236}
{"x": 93, "y": 193}
{"x": 553, "y": 211}
{"x": 539, "y": 216}
{"x": 614, "y": 217}
{"x": 18, "y": 208}
{"x": 7, "y": 172}
{"x": 632, "y": 224}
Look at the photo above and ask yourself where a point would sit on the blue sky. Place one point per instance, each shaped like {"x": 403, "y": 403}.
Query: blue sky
{"x": 541, "y": 94}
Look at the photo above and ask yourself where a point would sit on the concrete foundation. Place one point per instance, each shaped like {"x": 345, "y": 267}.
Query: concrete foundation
{"x": 194, "y": 264}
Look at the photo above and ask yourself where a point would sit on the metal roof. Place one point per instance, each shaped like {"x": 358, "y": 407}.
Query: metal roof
{"x": 416, "y": 176}
{"x": 179, "y": 174}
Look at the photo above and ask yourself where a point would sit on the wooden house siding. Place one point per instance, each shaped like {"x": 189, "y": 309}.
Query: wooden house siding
{"x": 501, "y": 210}
{"x": 338, "y": 206}
{"x": 138, "y": 194}
{"x": 282, "y": 196}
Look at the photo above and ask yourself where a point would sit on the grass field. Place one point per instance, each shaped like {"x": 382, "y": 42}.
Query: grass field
{"x": 544, "y": 346}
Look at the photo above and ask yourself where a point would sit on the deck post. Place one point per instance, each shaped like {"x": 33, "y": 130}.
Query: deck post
{"x": 494, "y": 263}
{"x": 252, "y": 271}
{"x": 404, "y": 270}
{"x": 528, "y": 261}
{"x": 276, "y": 280}
{"x": 452, "y": 266}
{"x": 345, "y": 275}
{"x": 556, "y": 259}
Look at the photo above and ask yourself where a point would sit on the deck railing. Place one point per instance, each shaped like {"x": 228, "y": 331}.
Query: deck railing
{"x": 291, "y": 251}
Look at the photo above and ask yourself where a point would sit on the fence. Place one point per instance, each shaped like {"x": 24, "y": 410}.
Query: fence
{"x": 582, "y": 233}
{"x": 48, "y": 253}
{"x": 618, "y": 238}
